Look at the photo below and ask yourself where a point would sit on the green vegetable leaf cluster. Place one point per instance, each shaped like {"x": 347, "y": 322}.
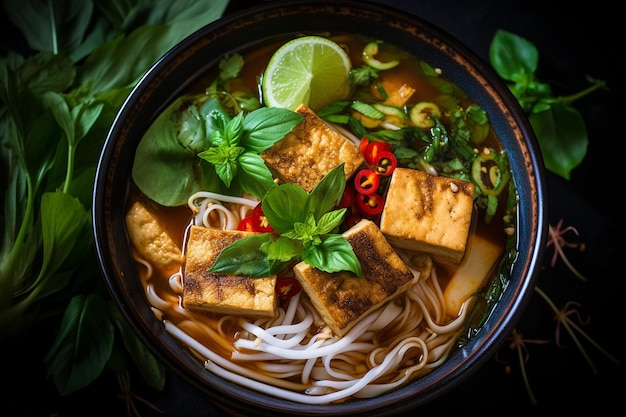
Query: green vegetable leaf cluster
{"x": 57, "y": 102}
{"x": 558, "y": 126}
{"x": 196, "y": 138}
{"x": 306, "y": 226}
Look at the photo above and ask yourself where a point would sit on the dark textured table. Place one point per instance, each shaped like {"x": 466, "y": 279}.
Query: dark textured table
{"x": 572, "y": 44}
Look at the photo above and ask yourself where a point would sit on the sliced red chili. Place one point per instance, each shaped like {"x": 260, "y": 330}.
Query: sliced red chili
{"x": 260, "y": 221}
{"x": 370, "y": 205}
{"x": 385, "y": 163}
{"x": 255, "y": 222}
{"x": 366, "y": 181}
{"x": 373, "y": 149}
{"x": 287, "y": 287}
{"x": 363, "y": 145}
{"x": 246, "y": 224}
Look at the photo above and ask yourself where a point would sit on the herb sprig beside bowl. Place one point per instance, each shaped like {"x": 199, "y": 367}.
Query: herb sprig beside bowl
{"x": 560, "y": 128}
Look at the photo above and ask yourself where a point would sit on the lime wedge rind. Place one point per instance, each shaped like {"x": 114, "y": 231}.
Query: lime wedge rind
{"x": 312, "y": 70}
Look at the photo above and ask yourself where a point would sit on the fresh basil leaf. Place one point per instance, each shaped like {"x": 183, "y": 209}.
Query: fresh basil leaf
{"x": 266, "y": 126}
{"x": 220, "y": 155}
{"x": 75, "y": 122}
{"x": 83, "y": 345}
{"x": 130, "y": 14}
{"x": 334, "y": 254}
{"x": 327, "y": 192}
{"x": 284, "y": 205}
{"x": 46, "y": 71}
{"x": 233, "y": 130}
{"x": 244, "y": 257}
{"x": 329, "y": 222}
{"x": 42, "y": 147}
{"x": 63, "y": 221}
{"x": 254, "y": 177}
{"x": 117, "y": 64}
{"x": 60, "y": 27}
{"x": 213, "y": 182}
{"x": 513, "y": 57}
{"x": 284, "y": 249}
{"x": 226, "y": 171}
{"x": 168, "y": 151}
{"x": 305, "y": 231}
{"x": 562, "y": 137}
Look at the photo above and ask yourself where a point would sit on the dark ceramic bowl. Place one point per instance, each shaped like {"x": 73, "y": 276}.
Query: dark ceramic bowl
{"x": 181, "y": 66}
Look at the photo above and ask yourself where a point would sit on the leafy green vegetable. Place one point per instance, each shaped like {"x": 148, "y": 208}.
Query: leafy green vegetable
{"x": 306, "y": 225}
{"x": 57, "y": 103}
{"x": 228, "y": 150}
{"x": 558, "y": 126}
{"x": 74, "y": 360}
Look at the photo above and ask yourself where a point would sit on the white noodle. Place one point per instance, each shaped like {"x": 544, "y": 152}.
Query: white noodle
{"x": 403, "y": 339}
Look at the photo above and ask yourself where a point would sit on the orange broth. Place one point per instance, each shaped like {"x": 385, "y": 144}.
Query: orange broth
{"x": 175, "y": 220}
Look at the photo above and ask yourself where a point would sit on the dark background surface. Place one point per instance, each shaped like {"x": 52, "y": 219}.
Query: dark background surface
{"x": 572, "y": 43}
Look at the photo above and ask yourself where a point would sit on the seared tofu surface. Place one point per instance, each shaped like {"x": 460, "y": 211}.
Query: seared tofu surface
{"x": 341, "y": 298}
{"x": 152, "y": 240}
{"x": 428, "y": 213}
{"x": 229, "y": 294}
{"x": 310, "y": 151}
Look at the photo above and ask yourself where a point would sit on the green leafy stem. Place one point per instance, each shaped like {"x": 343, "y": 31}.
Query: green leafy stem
{"x": 57, "y": 102}
{"x": 306, "y": 226}
{"x": 560, "y": 129}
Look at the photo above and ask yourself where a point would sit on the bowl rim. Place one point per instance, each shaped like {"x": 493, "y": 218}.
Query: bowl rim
{"x": 146, "y": 98}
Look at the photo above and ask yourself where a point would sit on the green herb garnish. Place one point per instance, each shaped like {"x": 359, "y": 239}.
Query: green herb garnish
{"x": 57, "y": 102}
{"x": 558, "y": 126}
{"x": 199, "y": 126}
{"x": 306, "y": 229}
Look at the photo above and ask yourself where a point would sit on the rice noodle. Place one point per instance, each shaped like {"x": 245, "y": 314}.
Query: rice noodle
{"x": 293, "y": 355}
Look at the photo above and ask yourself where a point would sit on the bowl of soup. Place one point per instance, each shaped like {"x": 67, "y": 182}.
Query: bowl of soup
{"x": 315, "y": 208}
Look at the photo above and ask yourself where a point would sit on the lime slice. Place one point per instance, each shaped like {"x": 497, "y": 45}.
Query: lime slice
{"x": 312, "y": 70}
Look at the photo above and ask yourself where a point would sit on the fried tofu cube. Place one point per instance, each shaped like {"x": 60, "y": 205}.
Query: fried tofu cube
{"x": 341, "y": 298}
{"x": 228, "y": 294}
{"x": 151, "y": 239}
{"x": 311, "y": 150}
{"x": 428, "y": 213}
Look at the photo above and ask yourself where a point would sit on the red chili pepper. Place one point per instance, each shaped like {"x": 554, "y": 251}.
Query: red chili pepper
{"x": 260, "y": 221}
{"x": 246, "y": 224}
{"x": 363, "y": 145}
{"x": 348, "y": 197}
{"x": 287, "y": 287}
{"x": 366, "y": 181}
{"x": 385, "y": 163}
{"x": 370, "y": 205}
{"x": 255, "y": 222}
{"x": 373, "y": 149}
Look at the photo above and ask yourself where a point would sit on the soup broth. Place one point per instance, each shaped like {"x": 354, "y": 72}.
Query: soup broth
{"x": 406, "y": 338}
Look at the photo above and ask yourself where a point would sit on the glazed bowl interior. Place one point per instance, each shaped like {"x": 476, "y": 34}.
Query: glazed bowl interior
{"x": 188, "y": 61}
